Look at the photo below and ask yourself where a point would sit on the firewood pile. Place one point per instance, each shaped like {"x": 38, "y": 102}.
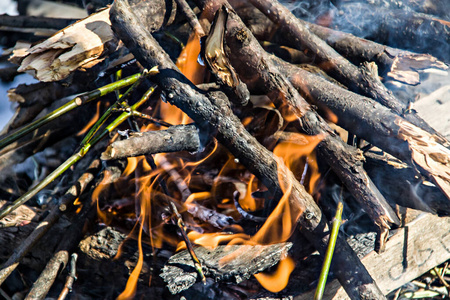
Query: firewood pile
{"x": 200, "y": 150}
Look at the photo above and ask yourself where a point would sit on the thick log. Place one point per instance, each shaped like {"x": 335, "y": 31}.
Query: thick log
{"x": 176, "y": 138}
{"x": 213, "y": 112}
{"x": 254, "y": 65}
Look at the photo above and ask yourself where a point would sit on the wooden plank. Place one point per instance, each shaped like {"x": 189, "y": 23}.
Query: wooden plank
{"x": 410, "y": 252}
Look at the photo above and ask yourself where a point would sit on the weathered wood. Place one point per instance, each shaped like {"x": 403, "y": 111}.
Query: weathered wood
{"x": 176, "y": 138}
{"x": 243, "y": 261}
{"x": 413, "y": 250}
{"x": 213, "y": 112}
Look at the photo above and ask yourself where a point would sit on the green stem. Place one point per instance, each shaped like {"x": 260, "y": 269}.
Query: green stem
{"x": 119, "y": 102}
{"x": 76, "y": 157}
{"x": 74, "y": 103}
{"x": 337, "y": 221}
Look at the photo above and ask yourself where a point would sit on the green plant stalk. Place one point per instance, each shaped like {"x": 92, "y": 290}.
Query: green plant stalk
{"x": 119, "y": 102}
{"x": 337, "y": 221}
{"x": 75, "y": 157}
{"x": 74, "y": 103}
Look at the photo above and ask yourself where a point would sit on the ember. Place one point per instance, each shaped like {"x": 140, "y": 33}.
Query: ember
{"x": 248, "y": 128}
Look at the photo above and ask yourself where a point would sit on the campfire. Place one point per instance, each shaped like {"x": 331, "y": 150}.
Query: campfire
{"x": 227, "y": 150}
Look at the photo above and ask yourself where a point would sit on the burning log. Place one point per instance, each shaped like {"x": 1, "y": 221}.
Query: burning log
{"x": 213, "y": 111}
{"x": 241, "y": 185}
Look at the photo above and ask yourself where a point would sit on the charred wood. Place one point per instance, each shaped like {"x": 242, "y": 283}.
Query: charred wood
{"x": 213, "y": 112}
{"x": 66, "y": 203}
{"x": 234, "y": 263}
{"x": 70, "y": 240}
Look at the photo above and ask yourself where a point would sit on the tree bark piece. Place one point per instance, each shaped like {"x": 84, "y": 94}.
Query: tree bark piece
{"x": 176, "y": 138}
{"x": 241, "y": 262}
{"x": 214, "y": 113}
{"x": 253, "y": 62}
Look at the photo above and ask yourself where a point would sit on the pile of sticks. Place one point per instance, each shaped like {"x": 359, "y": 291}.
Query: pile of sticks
{"x": 347, "y": 92}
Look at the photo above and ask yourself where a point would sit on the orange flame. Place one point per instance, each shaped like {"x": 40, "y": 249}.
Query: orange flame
{"x": 130, "y": 288}
{"x": 92, "y": 121}
{"x": 248, "y": 203}
{"x": 279, "y": 279}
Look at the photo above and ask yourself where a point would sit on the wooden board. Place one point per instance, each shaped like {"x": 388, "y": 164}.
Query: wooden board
{"x": 411, "y": 251}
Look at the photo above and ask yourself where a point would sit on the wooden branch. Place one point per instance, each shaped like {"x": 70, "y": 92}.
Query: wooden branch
{"x": 245, "y": 48}
{"x": 376, "y": 124}
{"x": 362, "y": 80}
{"x": 398, "y": 64}
{"x": 213, "y": 112}
{"x": 176, "y": 138}
{"x": 191, "y": 17}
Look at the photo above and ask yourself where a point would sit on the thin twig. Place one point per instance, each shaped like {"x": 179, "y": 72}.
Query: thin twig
{"x": 70, "y": 278}
{"x": 192, "y": 18}
{"x": 74, "y": 103}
